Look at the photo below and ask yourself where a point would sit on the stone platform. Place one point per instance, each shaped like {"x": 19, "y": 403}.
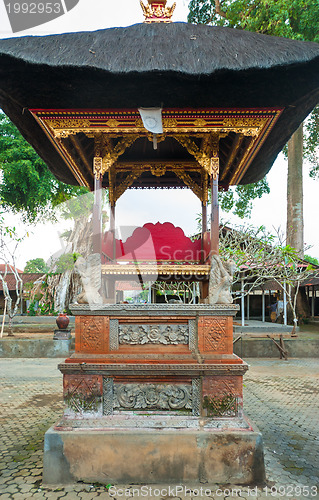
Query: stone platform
{"x": 153, "y": 449}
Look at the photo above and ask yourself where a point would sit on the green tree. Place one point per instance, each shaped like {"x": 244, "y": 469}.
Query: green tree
{"x": 9, "y": 243}
{"x": 26, "y": 184}
{"x": 36, "y": 266}
{"x": 66, "y": 262}
{"x": 297, "y": 19}
{"x": 240, "y": 199}
{"x": 311, "y": 260}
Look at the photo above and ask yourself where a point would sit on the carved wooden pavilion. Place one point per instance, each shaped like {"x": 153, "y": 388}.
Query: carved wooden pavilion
{"x": 230, "y": 100}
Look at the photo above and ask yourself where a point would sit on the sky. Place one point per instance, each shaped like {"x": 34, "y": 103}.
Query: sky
{"x": 177, "y": 206}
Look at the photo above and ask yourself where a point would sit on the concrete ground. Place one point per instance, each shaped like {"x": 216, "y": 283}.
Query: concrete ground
{"x": 281, "y": 397}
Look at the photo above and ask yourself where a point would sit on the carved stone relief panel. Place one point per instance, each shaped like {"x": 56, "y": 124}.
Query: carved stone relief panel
{"x": 215, "y": 335}
{"x": 162, "y": 397}
{"x": 107, "y": 396}
{"x": 83, "y": 393}
{"x": 141, "y": 334}
{"x": 196, "y": 397}
{"x": 151, "y": 397}
{"x": 94, "y": 333}
{"x": 224, "y": 395}
{"x": 192, "y": 334}
{"x": 114, "y": 334}
{"x": 216, "y": 386}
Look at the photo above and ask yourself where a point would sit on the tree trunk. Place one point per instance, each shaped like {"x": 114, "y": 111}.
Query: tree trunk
{"x": 294, "y": 233}
{"x": 295, "y": 225}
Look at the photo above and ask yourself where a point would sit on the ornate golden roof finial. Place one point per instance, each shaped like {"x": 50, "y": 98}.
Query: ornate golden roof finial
{"x": 157, "y": 12}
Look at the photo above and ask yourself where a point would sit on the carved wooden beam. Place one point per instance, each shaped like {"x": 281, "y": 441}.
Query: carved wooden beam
{"x": 197, "y": 190}
{"x": 232, "y": 154}
{"x": 78, "y": 148}
{"x": 205, "y": 185}
{"x": 201, "y": 157}
{"x": 127, "y": 183}
{"x": 105, "y": 150}
{"x": 243, "y": 165}
{"x": 111, "y": 174}
{"x": 156, "y": 167}
{"x": 215, "y": 156}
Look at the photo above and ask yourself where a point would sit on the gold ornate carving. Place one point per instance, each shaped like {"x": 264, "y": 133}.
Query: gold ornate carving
{"x": 157, "y": 12}
{"x": 116, "y": 126}
{"x": 135, "y": 174}
{"x": 155, "y": 269}
{"x": 205, "y": 187}
{"x": 69, "y": 123}
{"x": 189, "y": 183}
{"x": 194, "y": 150}
{"x": 64, "y": 134}
{"x": 243, "y": 122}
{"x": 169, "y": 122}
{"x": 138, "y": 123}
{"x": 215, "y": 156}
{"x": 158, "y": 170}
{"x": 111, "y": 154}
{"x": 215, "y": 168}
{"x": 200, "y": 122}
{"x": 208, "y": 156}
{"x": 112, "y": 123}
{"x": 97, "y": 166}
{"x": 190, "y": 166}
{"x": 159, "y": 137}
{"x": 112, "y": 177}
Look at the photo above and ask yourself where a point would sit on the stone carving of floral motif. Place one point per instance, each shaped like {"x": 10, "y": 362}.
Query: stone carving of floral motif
{"x": 153, "y": 334}
{"x": 152, "y": 397}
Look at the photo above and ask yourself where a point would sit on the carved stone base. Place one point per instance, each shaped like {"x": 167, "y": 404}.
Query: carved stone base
{"x": 133, "y": 455}
{"x": 62, "y": 334}
{"x": 138, "y": 375}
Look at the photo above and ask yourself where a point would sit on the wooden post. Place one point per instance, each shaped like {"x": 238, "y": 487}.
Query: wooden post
{"x": 248, "y": 303}
{"x": 263, "y": 305}
{"x": 204, "y": 229}
{"x": 97, "y": 215}
{"x": 242, "y": 303}
{"x": 214, "y": 227}
{"x": 112, "y": 230}
{"x": 285, "y": 305}
{"x": 313, "y": 302}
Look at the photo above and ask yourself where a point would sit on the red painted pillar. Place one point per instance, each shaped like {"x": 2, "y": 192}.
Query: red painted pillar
{"x": 97, "y": 215}
{"x": 112, "y": 230}
{"x": 204, "y": 229}
{"x": 214, "y": 227}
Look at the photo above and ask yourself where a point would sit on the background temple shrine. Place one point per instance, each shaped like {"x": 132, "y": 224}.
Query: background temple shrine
{"x": 153, "y": 392}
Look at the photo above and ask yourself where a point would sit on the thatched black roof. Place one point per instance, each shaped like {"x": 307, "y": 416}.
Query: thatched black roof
{"x": 174, "y": 65}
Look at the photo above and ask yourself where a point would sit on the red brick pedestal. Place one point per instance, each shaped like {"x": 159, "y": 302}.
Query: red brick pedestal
{"x": 149, "y": 369}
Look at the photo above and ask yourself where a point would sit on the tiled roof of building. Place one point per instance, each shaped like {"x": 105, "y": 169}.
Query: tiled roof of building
{"x": 26, "y": 278}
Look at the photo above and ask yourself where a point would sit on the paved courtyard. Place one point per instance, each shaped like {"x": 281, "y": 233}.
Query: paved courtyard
{"x": 282, "y": 398}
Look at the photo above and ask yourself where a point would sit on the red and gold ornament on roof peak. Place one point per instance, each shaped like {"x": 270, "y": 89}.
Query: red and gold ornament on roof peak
{"x": 156, "y": 11}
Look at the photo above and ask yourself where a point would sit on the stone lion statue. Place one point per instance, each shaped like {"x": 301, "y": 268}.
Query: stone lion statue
{"x": 90, "y": 272}
{"x": 220, "y": 281}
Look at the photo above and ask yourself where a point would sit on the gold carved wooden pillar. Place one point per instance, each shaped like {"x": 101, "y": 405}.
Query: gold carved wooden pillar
{"x": 205, "y": 234}
{"x": 204, "y": 230}
{"x": 97, "y": 206}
